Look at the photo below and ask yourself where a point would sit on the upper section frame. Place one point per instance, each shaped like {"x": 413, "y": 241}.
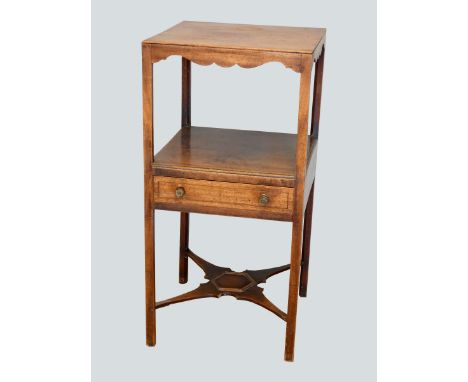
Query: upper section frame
{"x": 248, "y": 46}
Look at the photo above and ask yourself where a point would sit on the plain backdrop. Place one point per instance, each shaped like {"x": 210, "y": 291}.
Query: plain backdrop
{"x": 209, "y": 339}
{"x": 45, "y": 216}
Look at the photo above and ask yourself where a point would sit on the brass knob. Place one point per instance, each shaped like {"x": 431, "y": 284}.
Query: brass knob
{"x": 264, "y": 199}
{"x": 179, "y": 192}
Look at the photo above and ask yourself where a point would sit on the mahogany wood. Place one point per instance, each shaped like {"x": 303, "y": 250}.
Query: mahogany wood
{"x": 223, "y": 198}
{"x": 310, "y": 176}
{"x": 241, "y": 36}
{"x": 184, "y": 216}
{"x": 301, "y": 159}
{"x": 225, "y": 282}
{"x": 234, "y": 172}
{"x": 245, "y": 45}
{"x": 186, "y": 93}
{"x": 317, "y": 100}
{"x": 306, "y": 244}
{"x": 183, "y": 246}
{"x": 240, "y": 156}
{"x": 227, "y": 57}
{"x": 148, "y": 154}
{"x": 310, "y": 173}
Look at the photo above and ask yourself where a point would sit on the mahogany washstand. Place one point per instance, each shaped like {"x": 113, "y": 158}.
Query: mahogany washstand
{"x": 242, "y": 173}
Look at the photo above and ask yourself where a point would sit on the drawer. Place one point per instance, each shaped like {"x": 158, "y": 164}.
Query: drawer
{"x": 223, "y": 198}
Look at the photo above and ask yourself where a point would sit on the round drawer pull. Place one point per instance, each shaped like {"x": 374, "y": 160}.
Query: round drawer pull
{"x": 179, "y": 192}
{"x": 264, "y": 199}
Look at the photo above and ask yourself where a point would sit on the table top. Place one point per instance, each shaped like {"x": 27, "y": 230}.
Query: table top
{"x": 241, "y": 36}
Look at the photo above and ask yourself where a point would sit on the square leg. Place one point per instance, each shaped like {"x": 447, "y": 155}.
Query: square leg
{"x": 150, "y": 286}
{"x": 306, "y": 243}
{"x": 293, "y": 290}
{"x": 183, "y": 249}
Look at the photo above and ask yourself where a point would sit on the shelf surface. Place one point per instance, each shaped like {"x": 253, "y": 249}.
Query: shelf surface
{"x": 244, "y": 156}
{"x": 241, "y": 36}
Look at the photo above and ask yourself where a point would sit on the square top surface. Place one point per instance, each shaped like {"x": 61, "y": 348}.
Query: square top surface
{"x": 241, "y": 36}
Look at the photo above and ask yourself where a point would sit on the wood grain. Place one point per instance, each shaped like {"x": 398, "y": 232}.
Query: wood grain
{"x": 225, "y": 282}
{"x": 148, "y": 153}
{"x": 301, "y": 165}
{"x": 317, "y": 99}
{"x": 244, "y": 173}
{"x": 310, "y": 172}
{"x": 227, "y": 57}
{"x": 232, "y": 199}
{"x": 236, "y": 44}
{"x": 186, "y": 106}
{"x": 245, "y": 156}
{"x": 241, "y": 36}
{"x": 306, "y": 244}
{"x": 186, "y": 93}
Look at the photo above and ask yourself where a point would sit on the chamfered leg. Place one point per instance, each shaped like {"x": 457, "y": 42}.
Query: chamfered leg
{"x": 306, "y": 243}
{"x": 185, "y": 124}
{"x": 293, "y": 286}
{"x": 317, "y": 99}
{"x": 148, "y": 153}
{"x": 184, "y": 240}
{"x": 301, "y": 161}
{"x": 150, "y": 280}
{"x": 186, "y": 92}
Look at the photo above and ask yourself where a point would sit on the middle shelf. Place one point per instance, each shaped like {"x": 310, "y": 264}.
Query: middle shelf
{"x": 239, "y": 156}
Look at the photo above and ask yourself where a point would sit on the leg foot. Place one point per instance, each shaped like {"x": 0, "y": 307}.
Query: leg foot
{"x": 150, "y": 279}
{"x": 293, "y": 291}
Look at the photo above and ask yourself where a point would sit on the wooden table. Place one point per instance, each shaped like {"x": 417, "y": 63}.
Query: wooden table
{"x": 253, "y": 174}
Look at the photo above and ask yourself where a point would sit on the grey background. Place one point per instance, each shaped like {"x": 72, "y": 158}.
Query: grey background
{"x": 207, "y": 339}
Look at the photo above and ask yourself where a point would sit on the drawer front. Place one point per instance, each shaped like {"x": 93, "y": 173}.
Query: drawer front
{"x": 223, "y": 198}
